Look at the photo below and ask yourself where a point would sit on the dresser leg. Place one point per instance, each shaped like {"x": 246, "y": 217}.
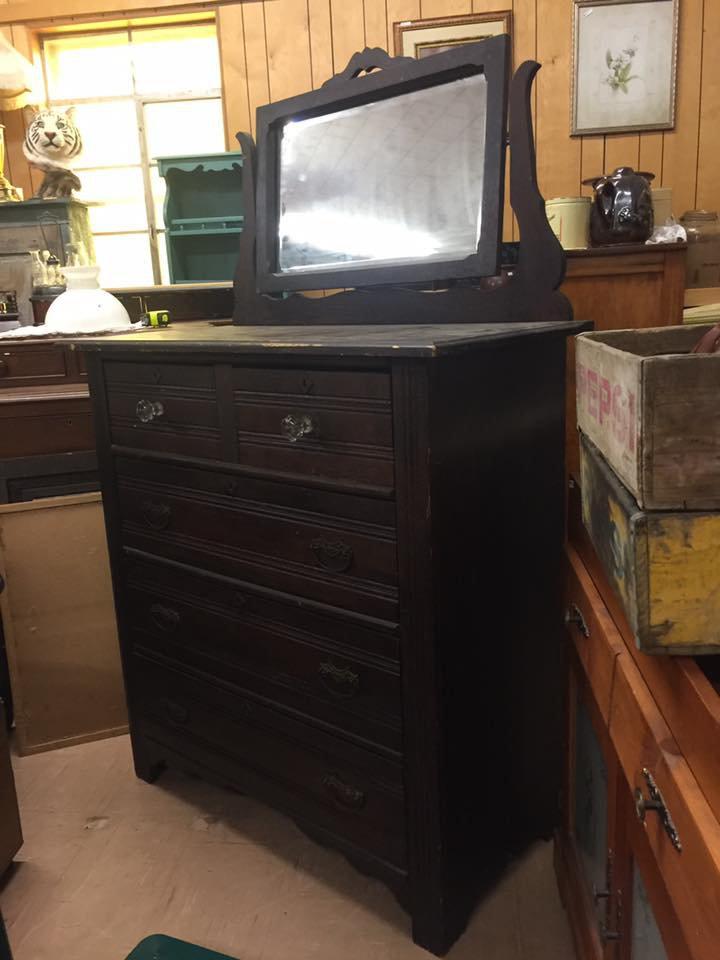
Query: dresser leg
{"x": 429, "y": 930}
{"x": 147, "y": 767}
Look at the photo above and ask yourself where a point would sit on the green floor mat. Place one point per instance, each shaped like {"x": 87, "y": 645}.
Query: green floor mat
{"x": 159, "y": 947}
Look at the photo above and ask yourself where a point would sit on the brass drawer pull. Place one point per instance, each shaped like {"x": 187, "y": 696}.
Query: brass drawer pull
{"x": 657, "y": 804}
{"x": 344, "y": 793}
{"x": 174, "y": 711}
{"x": 339, "y": 681}
{"x": 148, "y": 410}
{"x": 166, "y": 618}
{"x": 156, "y": 515}
{"x": 296, "y": 426}
{"x": 334, "y": 555}
{"x": 573, "y": 614}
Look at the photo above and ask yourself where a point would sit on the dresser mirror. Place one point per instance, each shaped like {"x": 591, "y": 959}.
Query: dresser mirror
{"x": 418, "y": 199}
{"x": 388, "y": 182}
{"x": 395, "y": 180}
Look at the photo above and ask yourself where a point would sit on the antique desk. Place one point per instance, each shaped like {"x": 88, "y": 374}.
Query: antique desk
{"x": 336, "y": 560}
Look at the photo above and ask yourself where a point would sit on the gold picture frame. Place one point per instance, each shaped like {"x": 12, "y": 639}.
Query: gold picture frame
{"x": 422, "y": 38}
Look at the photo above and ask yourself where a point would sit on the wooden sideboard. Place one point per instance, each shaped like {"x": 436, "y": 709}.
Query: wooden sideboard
{"x": 347, "y": 517}
{"x": 641, "y": 730}
{"x": 631, "y": 874}
{"x": 47, "y": 442}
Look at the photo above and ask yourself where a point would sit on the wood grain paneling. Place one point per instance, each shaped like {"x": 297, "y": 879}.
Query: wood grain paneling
{"x": 558, "y": 155}
{"x": 234, "y": 72}
{"x": 321, "y": 51}
{"x": 288, "y": 48}
{"x": 276, "y": 48}
{"x": 680, "y": 146}
{"x": 348, "y": 30}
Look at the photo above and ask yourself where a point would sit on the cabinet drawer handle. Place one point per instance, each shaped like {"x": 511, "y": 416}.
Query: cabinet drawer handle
{"x": 333, "y": 555}
{"x": 339, "y": 681}
{"x": 573, "y": 614}
{"x": 156, "y": 515}
{"x": 166, "y": 618}
{"x": 148, "y": 410}
{"x": 174, "y": 711}
{"x": 656, "y": 803}
{"x": 295, "y": 426}
{"x": 344, "y": 793}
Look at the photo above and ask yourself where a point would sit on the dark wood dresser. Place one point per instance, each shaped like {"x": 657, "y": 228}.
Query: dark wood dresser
{"x": 336, "y": 555}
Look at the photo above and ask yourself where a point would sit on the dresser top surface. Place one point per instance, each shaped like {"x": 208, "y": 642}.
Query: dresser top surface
{"x": 332, "y": 340}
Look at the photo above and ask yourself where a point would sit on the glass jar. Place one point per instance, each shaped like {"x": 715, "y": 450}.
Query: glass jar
{"x": 703, "y": 253}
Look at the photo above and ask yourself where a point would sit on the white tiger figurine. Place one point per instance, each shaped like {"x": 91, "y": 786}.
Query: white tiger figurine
{"x": 52, "y": 143}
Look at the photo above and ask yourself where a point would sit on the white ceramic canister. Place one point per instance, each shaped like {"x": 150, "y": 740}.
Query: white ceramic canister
{"x": 84, "y": 307}
{"x": 662, "y": 204}
{"x": 569, "y": 218}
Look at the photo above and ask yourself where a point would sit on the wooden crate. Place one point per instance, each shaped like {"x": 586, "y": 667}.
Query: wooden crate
{"x": 650, "y": 406}
{"x": 664, "y": 566}
{"x": 59, "y": 622}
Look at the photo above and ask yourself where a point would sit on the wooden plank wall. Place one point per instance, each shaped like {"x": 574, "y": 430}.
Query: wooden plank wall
{"x": 272, "y": 49}
{"x": 276, "y": 48}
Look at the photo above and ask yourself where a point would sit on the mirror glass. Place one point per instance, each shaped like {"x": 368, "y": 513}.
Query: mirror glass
{"x": 394, "y": 181}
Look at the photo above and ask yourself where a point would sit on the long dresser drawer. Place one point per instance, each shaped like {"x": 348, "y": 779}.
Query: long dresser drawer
{"x": 343, "y": 788}
{"x": 337, "y": 549}
{"x": 328, "y": 424}
{"x": 334, "y": 668}
{"x": 164, "y": 407}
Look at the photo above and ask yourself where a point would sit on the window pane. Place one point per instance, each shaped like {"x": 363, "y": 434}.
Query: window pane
{"x": 109, "y": 132}
{"x": 184, "y": 127}
{"x": 162, "y": 250}
{"x": 124, "y": 260}
{"x": 121, "y": 194}
{"x": 158, "y": 191}
{"x": 161, "y": 58}
{"x": 97, "y": 65}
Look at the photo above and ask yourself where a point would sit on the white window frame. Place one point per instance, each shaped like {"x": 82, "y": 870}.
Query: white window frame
{"x": 141, "y": 101}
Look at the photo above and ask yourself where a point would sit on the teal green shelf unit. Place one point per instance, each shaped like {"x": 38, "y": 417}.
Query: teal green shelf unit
{"x": 203, "y": 215}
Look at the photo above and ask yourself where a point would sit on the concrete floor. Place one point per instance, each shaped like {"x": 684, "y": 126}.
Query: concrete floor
{"x": 108, "y": 860}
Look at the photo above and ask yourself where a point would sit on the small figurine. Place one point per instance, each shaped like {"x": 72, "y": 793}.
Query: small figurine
{"x": 52, "y": 143}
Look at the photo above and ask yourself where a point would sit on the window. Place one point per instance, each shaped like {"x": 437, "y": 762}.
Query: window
{"x": 155, "y": 91}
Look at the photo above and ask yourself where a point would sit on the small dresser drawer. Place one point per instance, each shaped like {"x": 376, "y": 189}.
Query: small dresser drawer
{"x": 169, "y": 408}
{"x": 343, "y": 788}
{"x": 32, "y": 363}
{"x": 682, "y": 831}
{"x": 326, "y": 424}
{"x": 592, "y": 631}
{"x": 341, "y": 560}
{"x": 316, "y": 664}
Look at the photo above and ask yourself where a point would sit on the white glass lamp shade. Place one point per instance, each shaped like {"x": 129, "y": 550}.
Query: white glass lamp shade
{"x": 84, "y": 307}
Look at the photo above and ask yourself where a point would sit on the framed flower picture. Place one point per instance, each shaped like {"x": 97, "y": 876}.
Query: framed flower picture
{"x": 422, "y": 38}
{"x": 624, "y": 65}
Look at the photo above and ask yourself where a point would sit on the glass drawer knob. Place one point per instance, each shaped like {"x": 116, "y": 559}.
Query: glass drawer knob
{"x": 148, "y": 410}
{"x": 295, "y": 426}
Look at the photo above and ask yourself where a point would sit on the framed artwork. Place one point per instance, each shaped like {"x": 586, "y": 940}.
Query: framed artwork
{"x": 422, "y": 38}
{"x": 624, "y": 65}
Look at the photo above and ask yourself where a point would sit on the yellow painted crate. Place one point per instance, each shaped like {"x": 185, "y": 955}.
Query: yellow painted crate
{"x": 664, "y": 565}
